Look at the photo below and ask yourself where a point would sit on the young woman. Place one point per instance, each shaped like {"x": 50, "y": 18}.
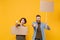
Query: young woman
{"x": 22, "y": 22}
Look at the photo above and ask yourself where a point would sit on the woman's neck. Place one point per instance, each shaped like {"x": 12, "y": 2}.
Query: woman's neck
{"x": 21, "y": 24}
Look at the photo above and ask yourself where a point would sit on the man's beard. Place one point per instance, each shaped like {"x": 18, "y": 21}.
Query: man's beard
{"x": 38, "y": 21}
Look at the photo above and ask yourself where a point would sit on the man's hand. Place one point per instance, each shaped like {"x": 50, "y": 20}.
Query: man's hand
{"x": 48, "y": 27}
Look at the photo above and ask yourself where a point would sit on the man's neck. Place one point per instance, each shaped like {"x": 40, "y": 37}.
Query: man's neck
{"x": 38, "y": 22}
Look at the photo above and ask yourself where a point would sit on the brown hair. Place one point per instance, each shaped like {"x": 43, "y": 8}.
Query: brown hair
{"x": 24, "y": 20}
{"x": 20, "y": 22}
{"x": 38, "y": 16}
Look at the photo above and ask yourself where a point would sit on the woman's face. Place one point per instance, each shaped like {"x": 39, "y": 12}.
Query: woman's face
{"x": 22, "y": 21}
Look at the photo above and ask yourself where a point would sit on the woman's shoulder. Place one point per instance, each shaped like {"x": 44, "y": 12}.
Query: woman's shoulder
{"x": 25, "y": 26}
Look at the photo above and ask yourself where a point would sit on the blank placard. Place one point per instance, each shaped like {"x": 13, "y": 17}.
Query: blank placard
{"x": 47, "y": 0}
{"x": 46, "y": 6}
{"x": 19, "y": 31}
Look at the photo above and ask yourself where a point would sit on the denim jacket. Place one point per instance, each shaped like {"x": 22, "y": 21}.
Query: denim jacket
{"x": 42, "y": 26}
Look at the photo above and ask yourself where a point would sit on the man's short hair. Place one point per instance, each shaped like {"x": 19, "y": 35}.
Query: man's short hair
{"x": 38, "y": 16}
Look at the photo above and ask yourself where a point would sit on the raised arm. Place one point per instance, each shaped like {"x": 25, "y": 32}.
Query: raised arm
{"x": 17, "y": 25}
{"x": 46, "y": 27}
{"x": 34, "y": 25}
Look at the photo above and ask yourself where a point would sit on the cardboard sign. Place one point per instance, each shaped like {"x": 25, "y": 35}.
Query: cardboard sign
{"x": 46, "y": 6}
{"x": 19, "y": 30}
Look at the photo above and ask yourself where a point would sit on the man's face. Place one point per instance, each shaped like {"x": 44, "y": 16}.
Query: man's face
{"x": 38, "y": 19}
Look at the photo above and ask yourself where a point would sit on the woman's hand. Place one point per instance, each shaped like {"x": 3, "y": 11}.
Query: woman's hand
{"x": 17, "y": 24}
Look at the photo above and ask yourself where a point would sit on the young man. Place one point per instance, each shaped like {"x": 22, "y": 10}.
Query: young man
{"x": 39, "y": 28}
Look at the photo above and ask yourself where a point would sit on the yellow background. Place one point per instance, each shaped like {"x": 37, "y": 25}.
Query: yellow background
{"x": 12, "y": 10}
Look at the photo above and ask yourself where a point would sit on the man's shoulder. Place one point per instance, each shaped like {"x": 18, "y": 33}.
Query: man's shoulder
{"x": 43, "y": 23}
{"x": 33, "y": 22}
{"x": 36, "y": 22}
